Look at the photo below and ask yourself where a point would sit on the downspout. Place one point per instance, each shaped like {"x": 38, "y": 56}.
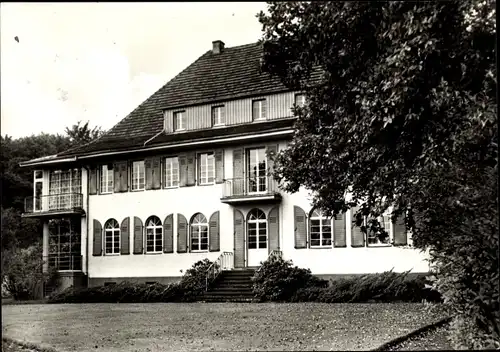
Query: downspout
{"x": 87, "y": 234}
{"x": 156, "y": 135}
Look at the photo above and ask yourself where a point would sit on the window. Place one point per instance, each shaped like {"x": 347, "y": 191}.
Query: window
{"x": 218, "y": 116}
{"x": 171, "y": 172}
{"x": 112, "y": 237}
{"x": 300, "y": 100}
{"x": 179, "y": 122}
{"x": 65, "y": 188}
{"x": 154, "y": 235}
{"x": 257, "y": 229}
{"x": 65, "y": 244}
{"x": 259, "y": 109}
{"x": 37, "y": 190}
{"x": 207, "y": 168}
{"x": 379, "y": 238}
{"x": 138, "y": 175}
{"x": 106, "y": 179}
{"x": 256, "y": 170}
{"x": 321, "y": 230}
{"x": 199, "y": 233}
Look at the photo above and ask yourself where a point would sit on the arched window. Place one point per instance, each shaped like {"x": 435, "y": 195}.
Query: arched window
{"x": 257, "y": 229}
{"x": 112, "y": 236}
{"x": 154, "y": 235}
{"x": 199, "y": 233}
{"x": 320, "y": 230}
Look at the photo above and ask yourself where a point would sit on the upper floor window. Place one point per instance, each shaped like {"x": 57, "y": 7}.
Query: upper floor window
{"x": 154, "y": 235}
{"x": 218, "y": 115}
{"x": 199, "y": 233}
{"x": 259, "y": 109}
{"x": 179, "y": 120}
{"x": 171, "y": 172}
{"x": 106, "y": 182}
{"x": 300, "y": 100}
{"x": 206, "y": 168}
{"x": 112, "y": 237}
{"x": 321, "y": 230}
{"x": 138, "y": 175}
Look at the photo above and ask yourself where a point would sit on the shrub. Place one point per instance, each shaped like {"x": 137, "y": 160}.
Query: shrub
{"x": 193, "y": 282}
{"x": 384, "y": 287}
{"x": 279, "y": 280}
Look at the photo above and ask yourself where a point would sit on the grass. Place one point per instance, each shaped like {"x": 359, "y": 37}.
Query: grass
{"x": 432, "y": 340}
{"x": 217, "y": 326}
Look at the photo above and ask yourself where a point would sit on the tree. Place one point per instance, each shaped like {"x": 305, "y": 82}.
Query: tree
{"x": 401, "y": 110}
{"x": 79, "y": 135}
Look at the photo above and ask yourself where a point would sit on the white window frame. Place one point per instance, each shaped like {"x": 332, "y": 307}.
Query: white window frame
{"x": 384, "y": 220}
{"x": 205, "y": 172}
{"x": 248, "y": 172}
{"x": 316, "y": 215}
{"x": 171, "y": 172}
{"x": 196, "y": 226}
{"x": 136, "y": 175}
{"x": 179, "y": 123}
{"x": 302, "y": 101}
{"x": 104, "y": 180}
{"x": 259, "y": 222}
{"x": 112, "y": 231}
{"x": 217, "y": 116}
{"x": 260, "y": 117}
{"x": 37, "y": 203}
{"x": 157, "y": 230}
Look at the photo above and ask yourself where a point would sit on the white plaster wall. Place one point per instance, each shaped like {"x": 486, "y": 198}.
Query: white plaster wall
{"x": 206, "y": 199}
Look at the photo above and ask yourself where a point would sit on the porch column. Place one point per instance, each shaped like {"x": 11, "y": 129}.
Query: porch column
{"x": 45, "y": 246}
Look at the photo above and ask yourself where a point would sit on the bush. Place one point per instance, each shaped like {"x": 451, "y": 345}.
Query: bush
{"x": 194, "y": 280}
{"x": 279, "y": 280}
{"x": 385, "y": 287}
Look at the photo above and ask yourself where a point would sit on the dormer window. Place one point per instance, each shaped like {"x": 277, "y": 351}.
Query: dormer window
{"x": 300, "y": 100}
{"x": 259, "y": 109}
{"x": 179, "y": 120}
{"x": 218, "y": 115}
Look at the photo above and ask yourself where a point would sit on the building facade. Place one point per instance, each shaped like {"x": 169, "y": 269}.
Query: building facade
{"x": 186, "y": 176}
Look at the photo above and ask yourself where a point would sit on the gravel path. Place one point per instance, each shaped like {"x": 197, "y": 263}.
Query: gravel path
{"x": 208, "y": 327}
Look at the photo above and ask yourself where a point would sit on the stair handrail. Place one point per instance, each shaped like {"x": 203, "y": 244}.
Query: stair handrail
{"x": 223, "y": 261}
{"x": 274, "y": 253}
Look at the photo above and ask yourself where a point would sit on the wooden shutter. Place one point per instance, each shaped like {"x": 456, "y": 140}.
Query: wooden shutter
{"x": 168, "y": 234}
{"x": 97, "y": 240}
{"x": 300, "y": 227}
{"x": 123, "y": 176}
{"x": 182, "y": 229}
{"x": 219, "y": 166}
{"x": 182, "y": 170}
{"x": 264, "y": 108}
{"x": 357, "y": 236}
{"x": 116, "y": 177}
{"x": 214, "y": 234}
{"x": 340, "y": 232}
{"x": 271, "y": 151}
{"x": 239, "y": 240}
{"x": 191, "y": 167}
{"x": 238, "y": 174}
{"x": 156, "y": 173}
{"x": 138, "y": 236}
{"x": 274, "y": 222}
{"x": 93, "y": 180}
{"x": 148, "y": 168}
{"x": 125, "y": 236}
{"x": 400, "y": 233}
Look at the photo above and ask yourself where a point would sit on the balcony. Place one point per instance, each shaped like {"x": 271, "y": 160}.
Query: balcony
{"x": 54, "y": 204}
{"x": 250, "y": 190}
{"x": 61, "y": 262}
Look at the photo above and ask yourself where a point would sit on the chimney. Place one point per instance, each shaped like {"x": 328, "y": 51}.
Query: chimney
{"x": 218, "y": 47}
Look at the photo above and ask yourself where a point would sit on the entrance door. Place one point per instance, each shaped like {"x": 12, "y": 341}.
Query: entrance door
{"x": 257, "y": 237}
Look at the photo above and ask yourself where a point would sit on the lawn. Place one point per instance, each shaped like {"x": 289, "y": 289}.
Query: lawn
{"x": 216, "y": 326}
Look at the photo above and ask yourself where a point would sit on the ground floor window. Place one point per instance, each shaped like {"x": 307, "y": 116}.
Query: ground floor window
{"x": 65, "y": 244}
{"x": 321, "y": 230}
{"x": 154, "y": 235}
{"x": 112, "y": 237}
{"x": 257, "y": 229}
{"x": 199, "y": 233}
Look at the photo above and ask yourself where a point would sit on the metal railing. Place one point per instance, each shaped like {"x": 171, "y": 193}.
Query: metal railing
{"x": 225, "y": 261}
{"x": 274, "y": 254}
{"x": 249, "y": 186}
{"x": 64, "y": 261}
{"x": 53, "y": 202}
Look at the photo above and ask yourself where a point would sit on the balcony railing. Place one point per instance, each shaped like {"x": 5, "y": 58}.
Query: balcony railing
{"x": 246, "y": 189}
{"x": 64, "y": 261}
{"x": 66, "y": 202}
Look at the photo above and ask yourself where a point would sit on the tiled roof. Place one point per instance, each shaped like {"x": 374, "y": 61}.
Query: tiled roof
{"x": 231, "y": 74}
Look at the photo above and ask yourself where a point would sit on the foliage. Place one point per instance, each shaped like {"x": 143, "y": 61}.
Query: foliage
{"x": 384, "y": 287}
{"x": 22, "y": 272}
{"x": 278, "y": 280}
{"x": 79, "y": 135}
{"x": 194, "y": 280}
{"x": 401, "y": 110}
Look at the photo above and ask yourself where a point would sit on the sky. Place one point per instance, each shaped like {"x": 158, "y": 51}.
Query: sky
{"x": 68, "y": 62}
